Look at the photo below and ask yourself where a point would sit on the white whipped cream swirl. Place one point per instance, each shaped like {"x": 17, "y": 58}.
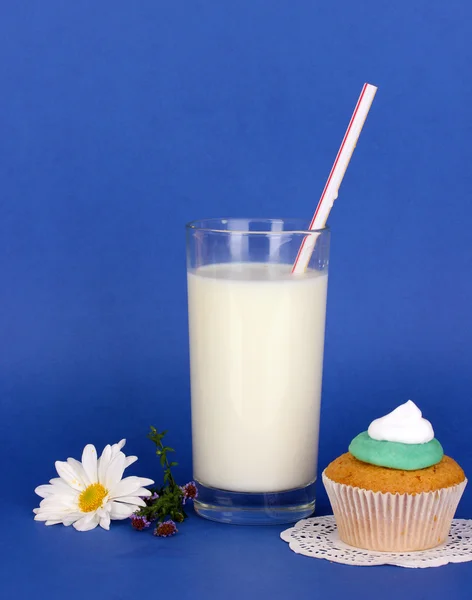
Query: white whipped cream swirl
{"x": 405, "y": 424}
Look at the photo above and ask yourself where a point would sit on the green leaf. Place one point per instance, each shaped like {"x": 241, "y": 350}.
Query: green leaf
{"x": 169, "y": 503}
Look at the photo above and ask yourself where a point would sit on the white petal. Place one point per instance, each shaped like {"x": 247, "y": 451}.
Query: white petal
{"x": 126, "y": 487}
{"x": 53, "y": 522}
{"x": 51, "y": 515}
{"x": 115, "y": 471}
{"x": 48, "y": 516}
{"x": 55, "y": 490}
{"x": 59, "y": 498}
{"x": 86, "y": 523}
{"x": 62, "y": 511}
{"x": 121, "y": 511}
{"x": 56, "y": 481}
{"x": 61, "y": 487}
{"x": 117, "y": 447}
{"x": 103, "y": 463}
{"x": 45, "y": 490}
{"x": 105, "y": 521}
{"x": 60, "y": 501}
{"x": 79, "y": 469}
{"x": 136, "y": 500}
{"x": 69, "y": 475}
{"x": 145, "y": 481}
{"x": 53, "y": 510}
{"x": 51, "y": 503}
{"x": 72, "y": 518}
{"x": 89, "y": 462}
{"x": 130, "y": 460}
{"x": 143, "y": 492}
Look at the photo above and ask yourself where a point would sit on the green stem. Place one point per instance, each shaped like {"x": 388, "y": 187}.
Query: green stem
{"x": 171, "y": 479}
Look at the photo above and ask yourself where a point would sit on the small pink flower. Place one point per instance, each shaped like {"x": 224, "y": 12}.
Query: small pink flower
{"x": 189, "y": 491}
{"x": 139, "y": 523}
{"x": 166, "y": 529}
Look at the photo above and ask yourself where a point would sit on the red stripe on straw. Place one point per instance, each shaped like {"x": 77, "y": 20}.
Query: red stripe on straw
{"x": 333, "y": 168}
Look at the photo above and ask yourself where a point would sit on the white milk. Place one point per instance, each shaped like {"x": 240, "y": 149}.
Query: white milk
{"x": 256, "y": 346}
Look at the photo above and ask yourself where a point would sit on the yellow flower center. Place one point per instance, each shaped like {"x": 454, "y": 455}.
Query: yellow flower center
{"x": 92, "y": 497}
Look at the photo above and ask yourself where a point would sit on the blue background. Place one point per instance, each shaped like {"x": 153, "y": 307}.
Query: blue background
{"x": 119, "y": 122}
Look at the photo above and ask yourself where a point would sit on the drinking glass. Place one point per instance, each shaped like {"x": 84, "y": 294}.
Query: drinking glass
{"x": 256, "y": 358}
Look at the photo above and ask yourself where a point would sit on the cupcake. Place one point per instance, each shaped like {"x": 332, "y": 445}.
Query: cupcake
{"x": 395, "y": 490}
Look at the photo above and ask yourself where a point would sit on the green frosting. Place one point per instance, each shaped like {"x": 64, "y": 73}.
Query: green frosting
{"x": 395, "y": 455}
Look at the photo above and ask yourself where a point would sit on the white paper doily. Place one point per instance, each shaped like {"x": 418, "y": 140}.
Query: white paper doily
{"x": 318, "y": 537}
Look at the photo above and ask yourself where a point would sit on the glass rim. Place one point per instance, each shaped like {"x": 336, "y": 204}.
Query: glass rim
{"x": 204, "y": 225}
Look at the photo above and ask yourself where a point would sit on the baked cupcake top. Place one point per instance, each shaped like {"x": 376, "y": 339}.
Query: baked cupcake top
{"x": 403, "y": 439}
{"x": 349, "y": 471}
{"x": 397, "y": 454}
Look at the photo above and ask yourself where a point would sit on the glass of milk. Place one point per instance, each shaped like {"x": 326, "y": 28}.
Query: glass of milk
{"x": 256, "y": 359}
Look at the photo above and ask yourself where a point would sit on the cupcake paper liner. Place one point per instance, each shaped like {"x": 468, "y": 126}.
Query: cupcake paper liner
{"x": 392, "y": 522}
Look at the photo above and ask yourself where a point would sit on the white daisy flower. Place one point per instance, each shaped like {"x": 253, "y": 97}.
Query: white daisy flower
{"x": 92, "y": 492}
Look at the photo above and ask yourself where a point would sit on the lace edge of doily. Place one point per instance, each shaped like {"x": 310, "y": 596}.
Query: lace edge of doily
{"x": 286, "y": 536}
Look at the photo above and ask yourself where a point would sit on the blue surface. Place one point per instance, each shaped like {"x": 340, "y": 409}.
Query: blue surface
{"x": 121, "y": 121}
